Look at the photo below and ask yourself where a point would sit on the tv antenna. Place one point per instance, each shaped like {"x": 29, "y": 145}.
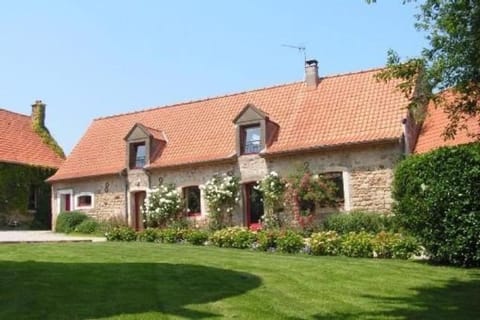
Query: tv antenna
{"x": 301, "y": 49}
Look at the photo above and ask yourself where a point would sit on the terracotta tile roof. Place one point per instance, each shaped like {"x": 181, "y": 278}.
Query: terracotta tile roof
{"x": 343, "y": 109}
{"x": 436, "y": 120}
{"x": 20, "y": 144}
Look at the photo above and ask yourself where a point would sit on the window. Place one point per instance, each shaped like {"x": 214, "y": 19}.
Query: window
{"x": 138, "y": 155}
{"x": 84, "y": 201}
{"x": 192, "y": 200}
{"x": 32, "y": 198}
{"x": 250, "y": 139}
{"x": 337, "y": 179}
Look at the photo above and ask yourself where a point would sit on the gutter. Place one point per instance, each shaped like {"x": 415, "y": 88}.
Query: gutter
{"x": 229, "y": 159}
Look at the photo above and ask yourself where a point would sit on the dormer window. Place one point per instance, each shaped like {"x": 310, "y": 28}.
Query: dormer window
{"x": 254, "y": 130}
{"x": 250, "y": 139}
{"x": 144, "y": 145}
{"x": 138, "y": 155}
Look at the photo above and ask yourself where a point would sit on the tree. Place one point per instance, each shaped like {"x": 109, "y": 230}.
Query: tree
{"x": 450, "y": 62}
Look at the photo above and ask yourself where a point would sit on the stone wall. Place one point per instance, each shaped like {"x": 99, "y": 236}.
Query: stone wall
{"x": 367, "y": 173}
{"x": 108, "y": 197}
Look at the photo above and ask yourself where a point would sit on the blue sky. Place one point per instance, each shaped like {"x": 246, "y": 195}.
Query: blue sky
{"x": 87, "y": 59}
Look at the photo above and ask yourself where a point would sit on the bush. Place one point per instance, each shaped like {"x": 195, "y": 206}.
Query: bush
{"x": 290, "y": 242}
{"x": 121, "y": 234}
{"x": 67, "y": 221}
{"x": 87, "y": 226}
{"x": 149, "y": 235}
{"x": 163, "y": 205}
{"x": 172, "y": 235}
{"x": 394, "y": 245}
{"x": 267, "y": 240}
{"x": 437, "y": 200}
{"x": 234, "y": 237}
{"x": 357, "y": 245}
{"x": 357, "y": 221}
{"x": 325, "y": 243}
{"x": 196, "y": 237}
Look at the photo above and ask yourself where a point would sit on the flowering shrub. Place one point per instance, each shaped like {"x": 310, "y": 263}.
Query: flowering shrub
{"x": 234, "y": 237}
{"x": 290, "y": 242}
{"x": 272, "y": 188}
{"x": 196, "y": 237}
{"x": 394, "y": 245}
{"x": 304, "y": 192}
{"x": 172, "y": 235}
{"x": 149, "y": 235}
{"x": 221, "y": 193}
{"x": 121, "y": 234}
{"x": 325, "y": 243}
{"x": 267, "y": 240}
{"x": 162, "y": 206}
{"x": 357, "y": 244}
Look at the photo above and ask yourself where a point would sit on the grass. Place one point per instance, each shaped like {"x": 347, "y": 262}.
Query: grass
{"x": 153, "y": 281}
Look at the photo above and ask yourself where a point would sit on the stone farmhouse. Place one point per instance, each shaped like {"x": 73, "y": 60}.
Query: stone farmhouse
{"x": 28, "y": 155}
{"x": 350, "y": 126}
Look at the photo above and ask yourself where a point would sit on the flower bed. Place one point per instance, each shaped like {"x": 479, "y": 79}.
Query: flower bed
{"x": 353, "y": 244}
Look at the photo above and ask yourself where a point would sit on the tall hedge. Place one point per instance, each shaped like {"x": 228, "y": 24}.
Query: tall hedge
{"x": 438, "y": 199}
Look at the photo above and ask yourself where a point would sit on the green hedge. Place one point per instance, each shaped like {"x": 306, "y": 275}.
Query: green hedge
{"x": 438, "y": 199}
{"x": 68, "y": 221}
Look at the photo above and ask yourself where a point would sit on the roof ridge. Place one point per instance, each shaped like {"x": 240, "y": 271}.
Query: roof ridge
{"x": 177, "y": 104}
{"x": 232, "y": 94}
{"x": 336, "y": 75}
{"x": 16, "y": 113}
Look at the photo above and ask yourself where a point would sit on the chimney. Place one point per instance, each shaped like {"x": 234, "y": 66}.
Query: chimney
{"x": 311, "y": 73}
{"x": 38, "y": 114}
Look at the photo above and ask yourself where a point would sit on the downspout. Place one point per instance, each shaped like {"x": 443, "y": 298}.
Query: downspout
{"x": 124, "y": 174}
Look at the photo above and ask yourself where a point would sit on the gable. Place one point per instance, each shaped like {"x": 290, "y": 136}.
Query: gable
{"x": 138, "y": 132}
{"x": 250, "y": 114}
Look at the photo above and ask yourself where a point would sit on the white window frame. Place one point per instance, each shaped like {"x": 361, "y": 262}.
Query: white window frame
{"x": 82, "y": 194}
{"x": 61, "y": 193}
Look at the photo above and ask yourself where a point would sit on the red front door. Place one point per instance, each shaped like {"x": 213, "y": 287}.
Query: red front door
{"x": 253, "y": 205}
{"x": 139, "y": 198}
{"x": 67, "y": 201}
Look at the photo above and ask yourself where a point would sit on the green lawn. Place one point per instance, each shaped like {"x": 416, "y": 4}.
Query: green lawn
{"x": 153, "y": 281}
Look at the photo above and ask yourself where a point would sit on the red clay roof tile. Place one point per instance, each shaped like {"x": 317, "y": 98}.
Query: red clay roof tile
{"x": 343, "y": 109}
{"x": 431, "y": 135}
{"x": 19, "y": 143}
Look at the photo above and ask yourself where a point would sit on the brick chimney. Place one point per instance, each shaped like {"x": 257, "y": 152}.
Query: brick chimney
{"x": 38, "y": 114}
{"x": 311, "y": 73}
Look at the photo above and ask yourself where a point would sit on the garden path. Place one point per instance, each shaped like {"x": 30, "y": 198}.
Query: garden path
{"x": 43, "y": 236}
